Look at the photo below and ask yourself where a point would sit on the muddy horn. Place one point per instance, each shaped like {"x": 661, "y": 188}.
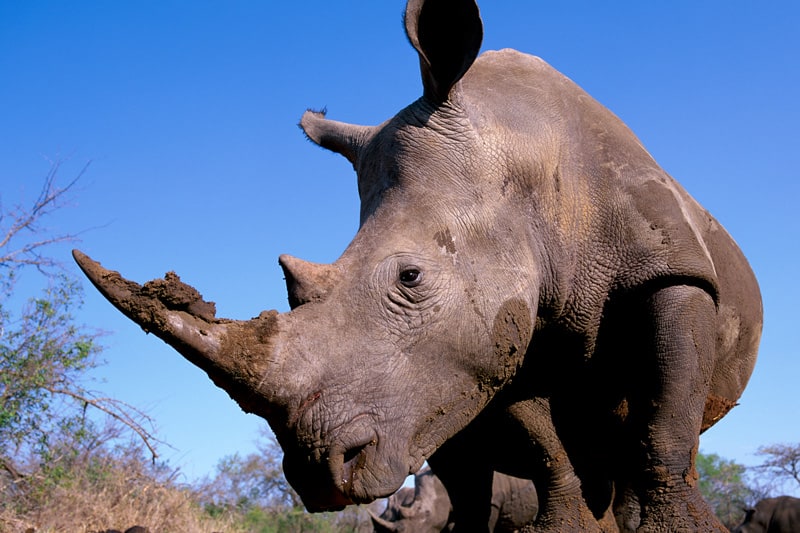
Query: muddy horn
{"x": 236, "y": 355}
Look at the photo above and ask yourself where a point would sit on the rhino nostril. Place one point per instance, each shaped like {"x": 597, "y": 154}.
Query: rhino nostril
{"x": 353, "y": 455}
{"x": 353, "y": 460}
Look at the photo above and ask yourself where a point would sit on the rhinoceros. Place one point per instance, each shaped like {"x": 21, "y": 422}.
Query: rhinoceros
{"x": 772, "y": 515}
{"x": 527, "y": 292}
{"x": 423, "y": 508}
{"x": 426, "y": 508}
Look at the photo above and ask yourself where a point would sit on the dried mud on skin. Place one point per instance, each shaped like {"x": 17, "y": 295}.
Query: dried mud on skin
{"x": 178, "y": 296}
{"x": 716, "y": 408}
{"x": 144, "y": 304}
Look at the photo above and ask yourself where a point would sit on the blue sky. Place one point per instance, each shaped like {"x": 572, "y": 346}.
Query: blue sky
{"x": 188, "y": 112}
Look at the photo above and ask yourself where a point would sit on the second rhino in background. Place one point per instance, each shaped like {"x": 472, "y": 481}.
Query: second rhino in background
{"x": 772, "y": 515}
{"x": 426, "y": 507}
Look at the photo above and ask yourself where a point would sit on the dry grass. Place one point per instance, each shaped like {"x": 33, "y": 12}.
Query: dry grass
{"x": 110, "y": 492}
{"x": 157, "y": 507}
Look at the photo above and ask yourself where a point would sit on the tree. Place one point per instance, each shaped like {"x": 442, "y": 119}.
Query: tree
{"x": 44, "y": 354}
{"x": 723, "y": 485}
{"x": 782, "y": 464}
{"x": 255, "y": 480}
{"x": 254, "y": 489}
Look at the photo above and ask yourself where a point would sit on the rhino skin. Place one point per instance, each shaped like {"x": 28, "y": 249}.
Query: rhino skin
{"x": 528, "y": 292}
{"x": 426, "y": 508}
{"x": 423, "y": 508}
{"x": 772, "y": 515}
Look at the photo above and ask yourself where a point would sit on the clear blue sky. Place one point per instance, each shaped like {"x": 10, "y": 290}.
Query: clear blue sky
{"x": 188, "y": 112}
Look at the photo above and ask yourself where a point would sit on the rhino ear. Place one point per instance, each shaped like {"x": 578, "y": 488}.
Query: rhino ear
{"x": 447, "y": 35}
{"x": 339, "y": 137}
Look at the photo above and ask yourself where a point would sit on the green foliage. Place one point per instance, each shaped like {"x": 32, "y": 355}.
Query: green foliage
{"x": 723, "y": 485}
{"x": 50, "y": 450}
{"x": 43, "y": 355}
{"x": 281, "y": 520}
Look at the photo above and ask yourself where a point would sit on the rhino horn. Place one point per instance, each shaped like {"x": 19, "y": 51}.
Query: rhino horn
{"x": 234, "y": 354}
{"x": 408, "y": 512}
{"x": 339, "y": 137}
{"x": 306, "y": 281}
{"x": 381, "y": 524}
{"x": 447, "y": 37}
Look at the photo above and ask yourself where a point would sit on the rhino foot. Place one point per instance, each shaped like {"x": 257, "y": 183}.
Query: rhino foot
{"x": 565, "y": 520}
{"x": 670, "y": 512}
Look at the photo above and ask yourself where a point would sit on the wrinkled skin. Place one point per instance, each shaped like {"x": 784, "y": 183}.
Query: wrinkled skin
{"x": 528, "y": 292}
{"x": 427, "y": 508}
{"x": 772, "y": 515}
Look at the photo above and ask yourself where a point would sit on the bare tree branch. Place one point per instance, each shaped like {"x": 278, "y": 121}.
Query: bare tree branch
{"x": 118, "y": 410}
{"x": 24, "y": 221}
{"x": 11, "y": 469}
{"x": 783, "y": 461}
{"x": 43, "y": 352}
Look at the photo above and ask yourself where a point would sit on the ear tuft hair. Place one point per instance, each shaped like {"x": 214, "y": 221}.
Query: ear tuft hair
{"x": 339, "y": 137}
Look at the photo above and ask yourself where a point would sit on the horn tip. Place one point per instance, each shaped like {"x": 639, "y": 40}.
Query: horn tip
{"x": 81, "y": 258}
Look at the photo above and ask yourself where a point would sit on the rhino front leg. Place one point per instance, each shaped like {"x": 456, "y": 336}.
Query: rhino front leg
{"x": 462, "y": 465}
{"x": 683, "y": 321}
{"x": 562, "y": 506}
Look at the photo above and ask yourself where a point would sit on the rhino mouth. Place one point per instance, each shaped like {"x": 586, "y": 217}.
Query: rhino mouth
{"x": 319, "y": 488}
{"x": 343, "y": 469}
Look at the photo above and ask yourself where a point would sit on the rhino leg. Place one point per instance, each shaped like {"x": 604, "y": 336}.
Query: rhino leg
{"x": 461, "y": 464}
{"x": 562, "y": 506}
{"x": 683, "y": 321}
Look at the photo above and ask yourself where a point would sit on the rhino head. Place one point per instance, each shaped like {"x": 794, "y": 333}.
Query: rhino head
{"x": 424, "y": 508}
{"x": 400, "y": 343}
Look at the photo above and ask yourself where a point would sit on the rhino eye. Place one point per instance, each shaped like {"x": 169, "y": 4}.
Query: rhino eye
{"x": 410, "y": 277}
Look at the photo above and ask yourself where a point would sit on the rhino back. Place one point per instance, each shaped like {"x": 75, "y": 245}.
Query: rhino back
{"x": 786, "y": 517}
{"x": 617, "y": 220}
{"x": 772, "y": 515}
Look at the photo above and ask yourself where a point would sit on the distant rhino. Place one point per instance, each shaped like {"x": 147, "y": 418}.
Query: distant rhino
{"x": 528, "y": 292}
{"x": 772, "y": 515}
{"x": 423, "y": 508}
{"x": 426, "y": 508}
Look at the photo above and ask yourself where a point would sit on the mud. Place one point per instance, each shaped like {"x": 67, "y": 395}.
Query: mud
{"x": 178, "y": 296}
{"x": 716, "y": 408}
{"x": 146, "y": 305}
{"x": 511, "y": 331}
